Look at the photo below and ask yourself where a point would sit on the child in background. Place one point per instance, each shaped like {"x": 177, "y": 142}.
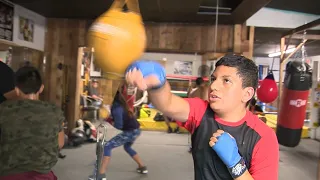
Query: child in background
{"x": 31, "y": 131}
{"x": 124, "y": 120}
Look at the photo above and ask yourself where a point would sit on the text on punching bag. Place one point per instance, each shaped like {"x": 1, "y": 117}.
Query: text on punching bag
{"x": 298, "y": 102}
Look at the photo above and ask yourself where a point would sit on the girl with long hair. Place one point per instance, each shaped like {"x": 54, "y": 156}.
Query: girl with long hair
{"x": 124, "y": 120}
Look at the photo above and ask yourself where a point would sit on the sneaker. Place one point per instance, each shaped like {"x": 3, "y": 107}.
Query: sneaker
{"x": 142, "y": 170}
{"x": 100, "y": 177}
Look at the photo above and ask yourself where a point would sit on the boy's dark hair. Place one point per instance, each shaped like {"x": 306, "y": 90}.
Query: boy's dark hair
{"x": 28, "y": 80}
{"x": 247, "y": 69}
{"x": 199, "y": 81}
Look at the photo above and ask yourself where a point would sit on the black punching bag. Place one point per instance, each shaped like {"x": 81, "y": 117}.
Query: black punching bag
{"x": 297, "y": 83}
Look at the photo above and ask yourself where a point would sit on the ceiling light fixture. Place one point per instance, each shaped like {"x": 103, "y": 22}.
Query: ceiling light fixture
{"x": 279, "y": 53}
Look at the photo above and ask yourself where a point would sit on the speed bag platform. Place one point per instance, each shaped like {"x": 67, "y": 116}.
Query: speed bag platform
{"x": 297, "y": 83}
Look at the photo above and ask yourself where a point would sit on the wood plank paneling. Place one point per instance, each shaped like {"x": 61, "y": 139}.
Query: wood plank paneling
{"x": 237, "y": 39}
{"x": 188, "y": 38}
{"x": 63, "y": 38}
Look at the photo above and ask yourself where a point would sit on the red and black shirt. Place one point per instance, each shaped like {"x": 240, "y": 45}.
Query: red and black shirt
{"x": 257, "y": 143}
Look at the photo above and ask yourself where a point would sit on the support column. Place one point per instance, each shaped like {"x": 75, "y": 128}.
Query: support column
{"x": 281, "y": 69}
{"x": 237, "y": 39}
{"x": 251, "y": 42}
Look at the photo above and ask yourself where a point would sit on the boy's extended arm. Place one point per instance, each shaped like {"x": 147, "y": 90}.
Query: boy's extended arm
{"x": 170, "y": 104}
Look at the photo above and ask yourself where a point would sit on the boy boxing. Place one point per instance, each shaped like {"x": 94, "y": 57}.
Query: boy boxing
{"x": 31, "y": 131}
{"x": 228, "y": 141}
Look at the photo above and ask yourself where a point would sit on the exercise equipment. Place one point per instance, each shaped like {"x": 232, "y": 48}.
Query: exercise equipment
{"x": 267, "y": 91}
{"x": 142, "y": 99}
{"x": 297, "y": 82}
{"x": 118, "y": 38}
{"x": 101, "y": 141}
{"x": 77, "y": 138}
{"x": 104, "y": 111}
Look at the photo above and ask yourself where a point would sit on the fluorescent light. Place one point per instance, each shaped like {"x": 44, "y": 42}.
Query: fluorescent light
{"x": 213, "y": 13}
{"x": 279, "y": 53}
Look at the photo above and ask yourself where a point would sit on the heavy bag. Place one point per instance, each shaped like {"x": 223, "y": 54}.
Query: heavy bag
{"x": 118, "y": 38}
{"x": 267, "y": 91}
{"x": 297, "y": 82}
{"x": 77, "y": 138}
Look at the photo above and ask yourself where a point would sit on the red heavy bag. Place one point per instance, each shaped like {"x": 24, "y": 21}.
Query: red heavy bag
{"x": 297, "y": 82}
{"x": 267, "y": 91}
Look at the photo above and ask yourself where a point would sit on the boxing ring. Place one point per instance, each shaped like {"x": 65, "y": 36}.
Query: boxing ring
{"x": 149, "y": 124}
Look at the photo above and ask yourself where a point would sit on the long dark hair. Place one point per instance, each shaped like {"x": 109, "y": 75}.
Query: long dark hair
{"x": 123, "y": 102}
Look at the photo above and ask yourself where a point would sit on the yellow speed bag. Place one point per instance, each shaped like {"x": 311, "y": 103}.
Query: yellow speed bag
{"x": 118, "y": 37}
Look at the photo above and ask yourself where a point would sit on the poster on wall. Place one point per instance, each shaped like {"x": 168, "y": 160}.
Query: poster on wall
{"x": 6, "y": 21}
{"x": 26, "y": 29}
{"x": 263, "y": 71}
{"x": 86, "y": 63}
{"x": 182, "y": 67}
{"x": 88, "y": 66}
{"x": 95, "y": 70}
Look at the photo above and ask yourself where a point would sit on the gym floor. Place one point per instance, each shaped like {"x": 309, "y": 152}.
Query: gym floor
{"x": 167, "y": 157}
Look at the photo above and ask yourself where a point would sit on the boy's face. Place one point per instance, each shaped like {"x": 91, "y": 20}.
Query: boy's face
{"x": 226, "y": 93}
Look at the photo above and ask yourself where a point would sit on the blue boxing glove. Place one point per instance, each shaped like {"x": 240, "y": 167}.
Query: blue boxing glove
{"x": 227, "y": 149}
{"x": 148, "y": 68}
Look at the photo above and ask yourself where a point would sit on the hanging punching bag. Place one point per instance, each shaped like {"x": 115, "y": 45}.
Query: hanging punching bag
{"x": 267, "y": 91}
{"x": 297, "y": 82}
{"x": 118, "y": 39}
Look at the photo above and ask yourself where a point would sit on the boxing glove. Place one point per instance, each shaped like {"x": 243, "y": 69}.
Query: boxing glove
{"x": 227, "y": 149}
{"x": 148, "y": 68}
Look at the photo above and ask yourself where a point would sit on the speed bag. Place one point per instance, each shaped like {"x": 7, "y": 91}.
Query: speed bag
{"x": 294, "y": 99}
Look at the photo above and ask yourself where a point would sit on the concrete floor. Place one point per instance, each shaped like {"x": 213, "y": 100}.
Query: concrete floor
{"x": 167, "y": 158}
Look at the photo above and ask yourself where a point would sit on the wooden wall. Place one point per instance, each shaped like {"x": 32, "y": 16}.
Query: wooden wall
{"x": 188, "y": 38}
{"x": 21, "y": 55}
{"x": 65, "y": 36}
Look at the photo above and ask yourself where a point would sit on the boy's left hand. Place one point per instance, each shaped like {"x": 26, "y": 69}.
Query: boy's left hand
{"x": 226, "y": 148}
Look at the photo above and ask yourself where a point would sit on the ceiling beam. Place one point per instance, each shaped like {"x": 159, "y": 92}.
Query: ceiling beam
{"x": 302, "y": 28}
{"x": 246, "y": 9}
{"x": 306, "y": 36}
{"x": 178, "y": 51}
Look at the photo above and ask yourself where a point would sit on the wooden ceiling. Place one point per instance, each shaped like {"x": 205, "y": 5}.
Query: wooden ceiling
{"x": 267, "y": 40}
{"x": 178, "y": 11}
{"x": 305, "y": 6}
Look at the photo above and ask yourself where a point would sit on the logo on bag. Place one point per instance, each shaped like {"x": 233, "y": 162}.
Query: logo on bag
{"x": 298, "y": 102}
{"x": 107, "y": 29}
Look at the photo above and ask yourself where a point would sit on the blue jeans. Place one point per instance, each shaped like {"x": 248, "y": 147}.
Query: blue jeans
{"x": 126, "y": 138}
